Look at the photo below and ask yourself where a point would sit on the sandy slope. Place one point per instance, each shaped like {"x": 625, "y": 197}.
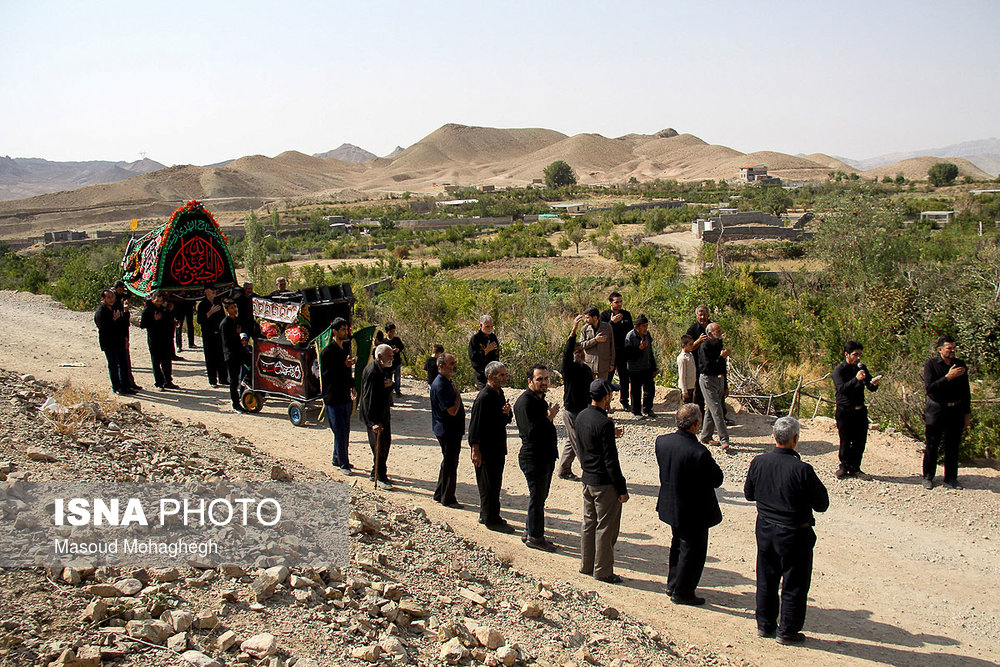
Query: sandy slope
{"x": 902, "y": 576}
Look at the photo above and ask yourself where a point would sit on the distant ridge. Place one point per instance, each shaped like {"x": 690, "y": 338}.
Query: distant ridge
{"x": 348, "y": 153}
{"x": 26, "y": 177}
{"x": 396, "y": 151}
{"x": 983, "y": 153}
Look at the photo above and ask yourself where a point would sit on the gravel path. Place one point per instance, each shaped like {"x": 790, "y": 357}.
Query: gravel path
{"x": 902, "y": 576}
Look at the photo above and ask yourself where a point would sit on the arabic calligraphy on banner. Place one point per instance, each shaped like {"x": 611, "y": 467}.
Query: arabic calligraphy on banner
{"x": 196, "y": 261}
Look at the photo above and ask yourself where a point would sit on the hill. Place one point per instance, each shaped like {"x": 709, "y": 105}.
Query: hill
{"x": 916, "y": 168}
{"x": 27, "y": 177}
{"x": 348, "y": 153}
{"x": 982, "y": 153}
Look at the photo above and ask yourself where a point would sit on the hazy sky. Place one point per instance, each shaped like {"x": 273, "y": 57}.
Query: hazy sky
{"x": 199, "y": 82}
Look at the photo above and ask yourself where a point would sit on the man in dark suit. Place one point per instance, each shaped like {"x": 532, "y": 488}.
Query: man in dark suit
{"x": 621, "y": 323}
{"x": 233, "y": 352}
{"x": 787, "y": 491}
{"x": 491, "y": 412}
{"x": 687, "y": 503}
{"x": 376, "y": 399}
{"x": 948, "y": 412}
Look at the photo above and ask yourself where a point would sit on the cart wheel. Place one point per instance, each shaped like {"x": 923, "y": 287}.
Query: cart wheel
{"x": 296, "y": 413}
{"x": 251, "y": 400}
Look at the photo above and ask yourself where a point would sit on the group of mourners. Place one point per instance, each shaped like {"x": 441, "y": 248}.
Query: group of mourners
{"x": 600, "y": 344}
{"x": 227, "y": 328}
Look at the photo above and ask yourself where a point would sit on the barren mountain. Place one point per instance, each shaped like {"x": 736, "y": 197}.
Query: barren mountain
{"x": 27, "y": 177}
{"x": 983, "y": 153}
{"x": 348, "y": 153}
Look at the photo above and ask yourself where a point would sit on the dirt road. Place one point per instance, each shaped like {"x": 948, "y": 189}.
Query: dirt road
{"x": 902, "y": 576}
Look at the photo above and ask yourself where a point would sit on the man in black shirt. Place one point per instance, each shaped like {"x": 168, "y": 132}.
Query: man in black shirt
{"x": 244, "y": 304}
{"x": 604, "y": 488}
{"x": 112, "y": 344}
{"x": 712, "y": 355}
{"x": 484, "y": 347}
{"x": 210, "y": 317}
{"x": 376, "y": 399}
{"x": 337, "y": 376}
{"x": 850, "y": 379}
{"x": 538, "y": 454}
{"x": 491, "y": 413}
{"x": 621, "y": 324}
{"x": 687, "y": 503}
{"x": 393, "y": 341}
{"x": 233, "y": 351}
{"x": 431, "y": 365}
{"x": 577, "y": 376}
{"x": 948, "y": 411}
{"x": 787, "y": 491}
{"x": 448, "y": 424}
{"x": 699, "y": 336}
{"x": 125, "y": 322}
{"x": 159, "y": 326}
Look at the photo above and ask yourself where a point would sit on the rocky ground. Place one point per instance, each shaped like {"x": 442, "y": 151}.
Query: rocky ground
{"x": 414, "y": 593}
{"x": 902, "y": 576}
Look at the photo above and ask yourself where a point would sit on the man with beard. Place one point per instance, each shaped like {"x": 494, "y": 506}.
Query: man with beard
{"x": 448, "y": 424}
{"x": 538, "y": 454}
{"x": 125, "y": 322}
{"x": 948, "y": 411}
{"x": 233, "y": 351}
{"x": 621, "y": 323}
{"x": 112, "y": 343}
{"x": 491, "y": 413}
{"x": 376, "y": 399}
{"x": 210, "y": 317}
{"x": 598, "y": 342}
{"x": 713, "y": 355}
{"x": 484, "y": 347}
{"x": 159, "y": 326}
{"x": 337, "y": 366}
{"x": 851, "y": 379}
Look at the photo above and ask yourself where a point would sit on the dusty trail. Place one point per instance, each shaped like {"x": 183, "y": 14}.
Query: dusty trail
{"x": 902, "y": 576}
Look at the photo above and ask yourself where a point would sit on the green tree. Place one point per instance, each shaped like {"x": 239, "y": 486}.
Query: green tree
{"x": 559, "y": 174}
{"x": 942, "y": 173}
{"x": 575, "y": 234}
{"x": 254, "y": 252}
{"x": 275, "y": 221}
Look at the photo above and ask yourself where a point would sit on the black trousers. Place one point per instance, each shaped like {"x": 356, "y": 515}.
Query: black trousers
{"x": 162, "y": 368}
{"x": 699, "y": 398}
{"x": 688, "y": 550}
{"x": 947, "y": 429}
{"x": 380, "y": 452}
{"x": 785, "y": 557}
{"x": 852, "y": 425}
{"x": 623, "y": 376}
{"x": 451, "y": 448}
{"x": 642, "y": 389}
{"x": 489, "y": 479}
{"x": 538, "y": 475}
{"x": 234, "y": 369}
{"x": 188, "y": 318}
{"x": 215, "y": 360}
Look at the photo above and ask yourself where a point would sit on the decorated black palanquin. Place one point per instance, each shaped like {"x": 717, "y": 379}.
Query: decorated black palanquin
{"x": 181, "y": 258}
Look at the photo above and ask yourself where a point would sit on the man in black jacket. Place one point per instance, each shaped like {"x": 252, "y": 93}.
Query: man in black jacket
{"x": 159, "y": 326}
{"x": 712, "y": 355}
{"x": 112, "y": 343}
{"x": 687, "y": 503}
{"x": 337, "y": 376}
{"x": 484, "y": 347}
{"x": 577, "y": 376}
{"x": 376, "y": 399}
{"x": 233, "y": 351}
{"x": 621, "y": 324}
{"x": 850, "y": 379}
{"x": 448, "y": 424}
{"x": 787, "y": 491}
{"x": 538, "y": 454}
{"x": 948, "y": 411}
{"x": 210, "y": 317}
{"x": 244, "y": 304}
{"x": 491, "y": 412}
{"x": 604, "y": 489}
{"x": 125, "y": 322}
{"x": 394, "y": 341}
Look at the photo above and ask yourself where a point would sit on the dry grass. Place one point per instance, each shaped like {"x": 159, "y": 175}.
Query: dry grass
{"x": 79, "y": 405}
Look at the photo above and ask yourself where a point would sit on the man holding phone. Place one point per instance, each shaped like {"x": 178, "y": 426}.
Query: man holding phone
{"x": 851, "y": 378}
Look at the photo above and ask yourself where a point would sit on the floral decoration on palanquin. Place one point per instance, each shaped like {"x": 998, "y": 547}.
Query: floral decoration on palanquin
{"x": 297, "y": 334}
{"x": 269, "y": 330}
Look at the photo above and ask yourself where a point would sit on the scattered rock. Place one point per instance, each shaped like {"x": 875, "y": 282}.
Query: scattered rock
{"x": 531, "y": 610}
{"x": 453, "y": 652}
{"x": 199, "y": 659}
{"x": 260, "y": 646}
{"x": 369, "y": 653}
{"x": 148, "y": 630}
{"x": 128, "y": 587}
{"x": 178, "y": 620}
{"x": 488, "y": 637}
{"x": 39, "y": 454}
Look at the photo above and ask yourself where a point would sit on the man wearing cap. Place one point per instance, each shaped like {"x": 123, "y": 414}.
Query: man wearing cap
{"x": 538, "y": 454}
{"x": 621, "y": 323}
{"x": 491, "y": 412}
{"x": 604, "y": 489}
{"x": 641, "y": 367}
{"x": 577, "y": 376}
{"x": 686, "y": 502}
{"x": 337, "y": 377}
